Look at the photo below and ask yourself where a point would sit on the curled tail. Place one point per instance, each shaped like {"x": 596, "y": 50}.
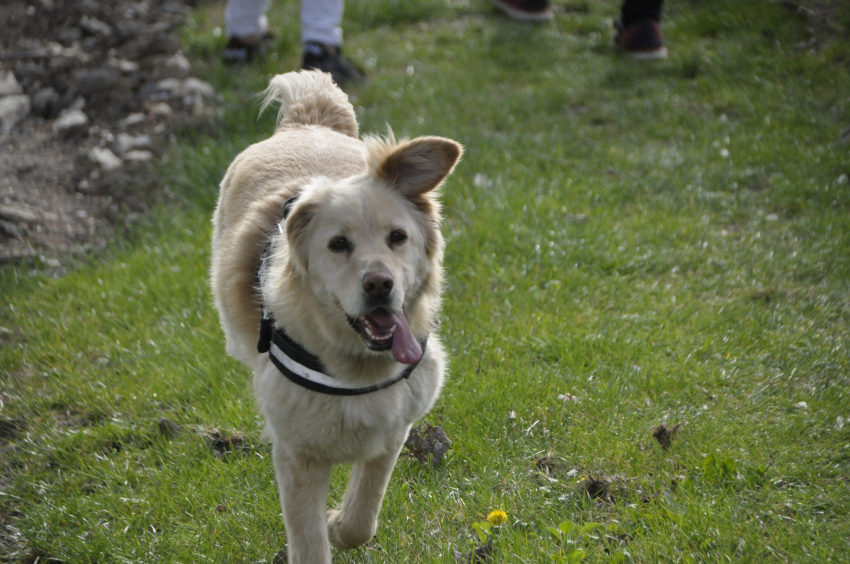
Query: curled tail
{"x": 310, "y": 97}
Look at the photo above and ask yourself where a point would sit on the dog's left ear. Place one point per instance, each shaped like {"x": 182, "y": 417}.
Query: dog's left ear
{"x": 418, "y": 166}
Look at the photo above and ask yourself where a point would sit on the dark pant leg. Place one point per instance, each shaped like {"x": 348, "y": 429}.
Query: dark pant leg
{"x": 634, "y": 10}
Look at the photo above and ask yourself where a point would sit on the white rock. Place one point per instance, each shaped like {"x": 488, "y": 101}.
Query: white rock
{"x": 839, "y": 423}
{"x": 9, "y": 84}
{"x": 94, "y": 25}
{"x": 69, "y": 121}
{"x": 170, "y": 85}
{"x": 161, "y": 109}
{"x": 123, "y": 64}
{"x": 126, "y": 142}
{"x": 138, "y": 156}
{"x": 78, "y": 104}
{"x": 801, "y": 405}
{"x": 196, "y": 87}
{"x": 178, "y": 64}
{"x": 105, "y": 158}
{"x": 132, "y": 119}
{"x": 16, "y": 214}
{"x": 842, "y": 179}
{"x": 12, "y": 110}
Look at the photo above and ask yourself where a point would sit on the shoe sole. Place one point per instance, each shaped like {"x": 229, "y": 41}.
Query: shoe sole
{"x": 660, "y": 53}
{"x": 520, "y": 15}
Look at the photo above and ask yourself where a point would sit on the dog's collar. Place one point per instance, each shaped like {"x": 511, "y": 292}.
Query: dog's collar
{"x": 298, "y": 365}
{"x": 306, "y": 370}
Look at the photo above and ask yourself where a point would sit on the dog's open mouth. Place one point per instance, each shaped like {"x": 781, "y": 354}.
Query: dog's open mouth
{"x": 383, "y": 331}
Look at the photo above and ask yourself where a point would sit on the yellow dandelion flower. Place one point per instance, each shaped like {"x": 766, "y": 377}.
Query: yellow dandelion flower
{"x": 497, "y": 517}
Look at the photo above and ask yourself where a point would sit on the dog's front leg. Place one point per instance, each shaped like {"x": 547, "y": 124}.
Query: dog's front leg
{"x": 303, "y": 484}
{"x": 356, "y": 521}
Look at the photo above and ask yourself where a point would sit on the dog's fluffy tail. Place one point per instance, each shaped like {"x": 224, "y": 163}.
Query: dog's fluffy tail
{"x": 310, "y": 97}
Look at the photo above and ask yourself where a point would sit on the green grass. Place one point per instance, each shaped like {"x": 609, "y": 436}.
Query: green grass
{"x": 668, "y": 241}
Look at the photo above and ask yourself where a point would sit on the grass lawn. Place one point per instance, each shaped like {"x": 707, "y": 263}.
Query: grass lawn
{"x": 629, "y": 244}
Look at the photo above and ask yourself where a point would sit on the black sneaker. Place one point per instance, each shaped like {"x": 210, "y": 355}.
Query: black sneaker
{"x": 242, "y": 50}
{"x": 642, "y": 39}
{"x": 526, "y": 10}
{"x": 329, "y": 58}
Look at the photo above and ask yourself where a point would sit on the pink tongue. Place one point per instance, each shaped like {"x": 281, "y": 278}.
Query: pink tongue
{"x": 406, "y": 348}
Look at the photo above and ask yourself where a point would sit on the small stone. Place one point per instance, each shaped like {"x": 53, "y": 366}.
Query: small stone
{"x": 70, "y": 123}
{"x": 16, "y": 214}
{"x": 9, "y": 229}
{"x": 801, "y": 405}
{"x": 161, "y": 109}
{"x": 132, "y": 119}
{"x": 67, "y": 36}
{"x": 79, "y": 103}
{"x": 772, "y": 217}
{"x": 123, "y": 65}
{"x": 12, "y": 110}
{"x": 30, "y": 73}
{"x": 95, "y": 80}
{"x": 138, "y": 156}
{"x": 45, "y": 102}
{"x": 842, "y": 179}
{"x": 196, "y": 87}
{"x": 171, "y": 85}
{"x": 105, "y": 158}
{"x": 177, "y": 65}
{"x": 9, "y": 84}
{"x": 95, "y": 27}
{"x": 126, "y": 142}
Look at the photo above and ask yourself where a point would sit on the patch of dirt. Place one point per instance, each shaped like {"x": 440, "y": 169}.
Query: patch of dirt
{"x": 90, "y": 93}
{"x": 223, "y": 444}
{"x": 596, "y": 487}
{"x": 664, "y": 435}
{"x": 168, "y": 428}
{"x": 479, "y": 554}
{"x": 426, "y": 443}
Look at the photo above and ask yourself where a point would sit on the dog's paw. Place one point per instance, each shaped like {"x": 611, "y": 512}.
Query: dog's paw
{"x": 344, "y": 534}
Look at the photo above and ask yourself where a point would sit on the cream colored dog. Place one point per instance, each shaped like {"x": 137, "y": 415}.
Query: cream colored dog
{"x": 351, "y": 279}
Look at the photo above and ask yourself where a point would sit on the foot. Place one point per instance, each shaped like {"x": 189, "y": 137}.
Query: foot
{"x": 526, "y": 10}
{"x": 329, "y": 58}
{"x": 641, "y": 39}
{"x": 241, "y": 50}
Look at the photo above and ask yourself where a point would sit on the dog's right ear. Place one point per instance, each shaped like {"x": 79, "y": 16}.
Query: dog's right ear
{"x": 298, "y": 220}
{"x": 414, "y": 167}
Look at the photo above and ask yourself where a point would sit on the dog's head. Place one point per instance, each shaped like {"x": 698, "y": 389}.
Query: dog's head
{"x": 370, "y": 244}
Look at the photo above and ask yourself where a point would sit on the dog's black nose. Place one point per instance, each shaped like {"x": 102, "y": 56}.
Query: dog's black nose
{"x": 378, "y": 284}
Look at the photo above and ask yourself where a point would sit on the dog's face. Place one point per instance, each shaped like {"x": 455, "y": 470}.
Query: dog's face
{"x": 368, "y": 243}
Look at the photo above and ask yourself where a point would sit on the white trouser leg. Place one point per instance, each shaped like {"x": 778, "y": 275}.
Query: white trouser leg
{"x": 246, "y": 17}
{"x": 321, "y": 21}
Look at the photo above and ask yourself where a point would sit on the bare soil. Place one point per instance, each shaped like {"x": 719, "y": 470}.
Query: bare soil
{"x": 69, "y": 188}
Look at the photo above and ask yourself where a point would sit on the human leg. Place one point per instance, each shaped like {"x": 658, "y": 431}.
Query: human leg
{"x": 245, "y": 25}
{"x": 321, "y": 36}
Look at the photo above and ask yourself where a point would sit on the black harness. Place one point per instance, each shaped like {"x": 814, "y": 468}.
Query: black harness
{"x": 300, "y": 366}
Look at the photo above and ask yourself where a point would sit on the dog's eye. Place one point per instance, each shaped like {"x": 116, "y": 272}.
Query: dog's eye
{"x": 397, "y": 237}
{"x": 339, "y": 244}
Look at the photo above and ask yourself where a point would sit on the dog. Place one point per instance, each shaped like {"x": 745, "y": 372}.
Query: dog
{"x": 326, "y": 273}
